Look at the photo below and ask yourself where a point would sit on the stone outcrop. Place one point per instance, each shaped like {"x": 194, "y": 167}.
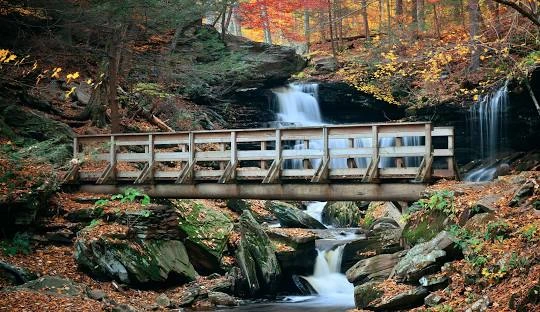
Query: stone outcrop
{"x": 132, "y": 261}
{"x": 376, "y": 268}
{"x": 207, "y": 231}
{"x": 425, "y": 258}
{"x": 341, "y": 214}
{"x": 292, "y": 217}
{"x": 256, "y": 258}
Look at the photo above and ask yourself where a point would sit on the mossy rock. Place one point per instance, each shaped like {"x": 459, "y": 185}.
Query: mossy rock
{"x": 207, "y": 231}
{"x": 341, "y": 214}
{"x": 292, "y": 217}
{"x": 257, "y": 258}
{"x": 366, "y": 293}
{"x": 424, "y": 228}
{"x": 135, "y": 262}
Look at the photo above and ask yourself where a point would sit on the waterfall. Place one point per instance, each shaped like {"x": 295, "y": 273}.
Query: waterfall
{"x": 487, "y": 126}
{"x": 327, "y": 280}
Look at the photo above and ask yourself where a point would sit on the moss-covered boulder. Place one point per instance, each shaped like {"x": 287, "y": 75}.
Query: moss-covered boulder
{"x": 424, "y": 227}
{"x": 341, "y": 214}
{"x": 206, "y": 232}
{"x": 292, "y": 217}
{"x": 256, "y": 207}
{"x": 108, "y": 251}
{"x": 256, "y": 258}
{"x": 36, "y": 135}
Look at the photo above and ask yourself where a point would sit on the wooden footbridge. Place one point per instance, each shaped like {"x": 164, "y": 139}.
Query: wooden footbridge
{"x": 304, "y": 163}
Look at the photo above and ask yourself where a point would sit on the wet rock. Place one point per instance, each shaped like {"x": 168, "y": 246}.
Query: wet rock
{"x": 425, "y": 258}
{"x": 134, "y": 262}
{"x": 364, "y": 294}
{"x": 96, "y": 294}
{"x": 376, "y": 268}
{"x": 433, "y": 300}
{"x": 207, "y": 232}
{"x": 238, "y": 205}
{"x": 377, "y": 242}
{"x": 16, "y": 274}
{"x": 297, "y": 256}
{"x": 411, "y": 298}
{"x": 163, "y": 301}
{"x": 222, "y": 299}
{"x": 256, "y": 258}
{"x": 341, "y": 214}
{"x": 187, "y": 296}
{"x": 292, "y": 217}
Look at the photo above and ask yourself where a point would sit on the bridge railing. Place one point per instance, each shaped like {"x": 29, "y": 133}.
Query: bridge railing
{"x": 362, "y": 152}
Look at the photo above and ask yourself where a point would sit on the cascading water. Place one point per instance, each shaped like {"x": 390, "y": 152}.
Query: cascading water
{"x": 327, "y": 280}
{"x": 488, "y": 123}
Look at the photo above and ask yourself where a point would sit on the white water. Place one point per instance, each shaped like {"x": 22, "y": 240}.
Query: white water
{"x": 488, "y": 121}
{"x": 327, "y": 280}
{"x": 297, "y": 105}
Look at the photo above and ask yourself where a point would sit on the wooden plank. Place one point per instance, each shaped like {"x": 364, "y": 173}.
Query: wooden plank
{"x": 298, "y": 191}
{"x": 263, "y": 150}
{"x": 171, "y": 156}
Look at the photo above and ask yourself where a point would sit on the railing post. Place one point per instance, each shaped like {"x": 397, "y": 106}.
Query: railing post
{"x": 451, "y": 160}
{"x": 429, "y": 155}
{"x": 151, "y": 154}
{"x": 222, "y": 149}
{"x": 306, "y": 164}
{"x": 351, "y": 162}
{"x": 399, "y": 160}
{"x": 278, "y": 146}
{"x": 112, "y": 157}
{"x": 375, "y": 150}
{"x": 234, "y": 154}
{"x": 263, "y": 148}
{"x": 326, "y": 152}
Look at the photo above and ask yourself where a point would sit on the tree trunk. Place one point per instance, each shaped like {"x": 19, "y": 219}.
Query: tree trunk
{"x": 414, "y": 17}
{"x": 389, "y": 17}
{"x": 380, "y": 16}
{"x": 420, "y": 13}
{"x": 307, "y": 30}
{"x": 399, "y": 7}
{"x": 115, "y": 54}
{"x": 331, "y": 22}
{"x": 436, "y": 21}
{"x": 365, "y": 18}
{"x": 266, "y": 25}
{"x": 474, "y": 12}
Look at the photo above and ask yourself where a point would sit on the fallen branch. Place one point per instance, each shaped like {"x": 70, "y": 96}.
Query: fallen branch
{"x": 162, "y": 125}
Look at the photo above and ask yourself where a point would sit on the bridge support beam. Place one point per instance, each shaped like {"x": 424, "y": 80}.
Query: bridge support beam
{"x": 312, "y": 192}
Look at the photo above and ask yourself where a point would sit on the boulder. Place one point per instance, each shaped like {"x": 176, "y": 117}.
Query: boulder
{"x": 433, "y": 300}
{"x": 324, "y": 64}
{"x": 134, "y": 261}
{"x": 55, "y": 285}
{"x": 366, "y": 293}
{"x": 419, "y": 230}
{"x": 425, "y": 258}
{"x": 292, "y": 217}
{"x": 83, "y": 93}
{"x": 384, "y": 210}
{"x": 15, "y": 274}
{"x": 478, "y": 222}
{"x": 295, "y": 251}
{"x": 488, "y": 203}
{"x": 522, "y": 194}
{"x": 341, "y": 214}
{"x": 256, "y": 258}
{"x": 377, "y": 242}
{"x": 434, "y": 282}
{"x": 407, "y": 299}
{"x": 222, "y": 299}
{"x": 96, "y": 294}
{"x": 376, "y": 268}
{"x": 257, "y": 208}
{"x": 163, "y": 301}
{"x": 207, "y": 231}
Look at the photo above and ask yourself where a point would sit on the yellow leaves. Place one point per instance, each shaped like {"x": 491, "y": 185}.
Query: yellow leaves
{"x": 7, "y": 56}
{"x": 70, "y": 92}
{"x": 72, "y": 76}
{"x": 475, "y": 97}
{"x": 56, "y": 72}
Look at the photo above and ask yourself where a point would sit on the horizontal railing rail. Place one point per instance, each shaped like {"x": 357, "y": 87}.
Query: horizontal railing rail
{"x": 361, "y": 152}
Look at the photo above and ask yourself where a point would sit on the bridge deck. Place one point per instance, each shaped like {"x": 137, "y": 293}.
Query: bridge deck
{"x": 255, "y": 159}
